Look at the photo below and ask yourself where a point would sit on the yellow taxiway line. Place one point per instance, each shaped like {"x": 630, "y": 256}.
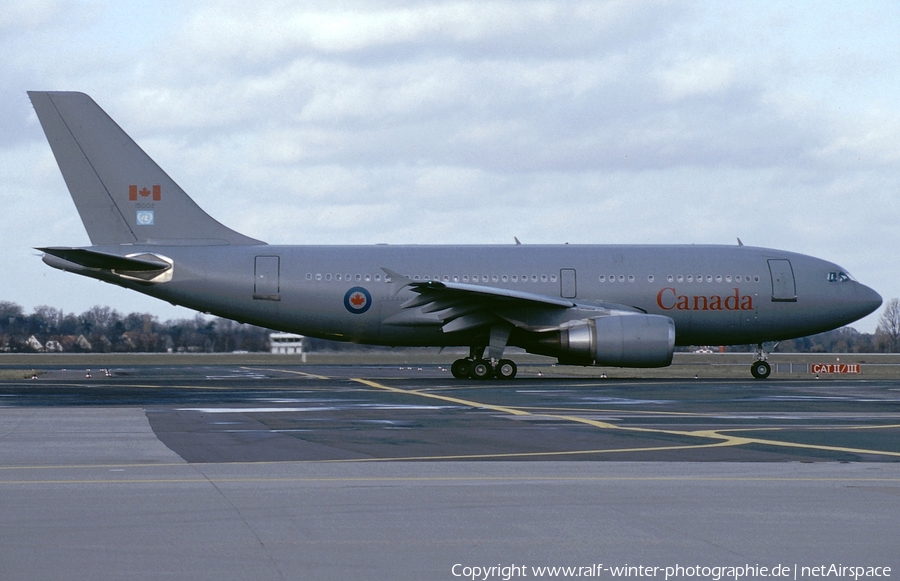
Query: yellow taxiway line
{"x": 724, "y": 439}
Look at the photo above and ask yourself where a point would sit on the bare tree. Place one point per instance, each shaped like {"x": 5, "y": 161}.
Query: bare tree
{"x": 889, "y": 324}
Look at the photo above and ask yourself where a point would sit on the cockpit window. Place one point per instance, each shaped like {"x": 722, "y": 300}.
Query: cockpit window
{"x": 839, "y": 276}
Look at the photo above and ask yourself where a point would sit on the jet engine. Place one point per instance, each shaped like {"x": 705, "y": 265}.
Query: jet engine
{"x": 629, "y": 340}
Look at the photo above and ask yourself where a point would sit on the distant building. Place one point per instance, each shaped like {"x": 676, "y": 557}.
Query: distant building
{"x": 286, "y": 344}
{"x": 34, "y": 344}
{"x": 72, "y": 343}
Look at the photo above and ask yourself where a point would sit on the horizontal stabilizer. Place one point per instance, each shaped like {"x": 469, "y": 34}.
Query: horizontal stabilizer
{"x": 94, "y": 259}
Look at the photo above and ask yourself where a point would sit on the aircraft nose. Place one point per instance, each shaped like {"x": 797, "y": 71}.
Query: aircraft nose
{"x": 867, "y": 300}
{"x": 870, "y": 299}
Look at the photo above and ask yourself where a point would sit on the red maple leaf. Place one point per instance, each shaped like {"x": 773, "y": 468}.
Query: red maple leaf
{"x": 358, "y": 300}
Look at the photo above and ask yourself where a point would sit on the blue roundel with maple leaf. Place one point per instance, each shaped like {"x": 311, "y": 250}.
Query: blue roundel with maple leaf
{"x": 357, "y": 300}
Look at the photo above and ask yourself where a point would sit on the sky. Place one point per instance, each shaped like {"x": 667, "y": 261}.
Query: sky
{"x": 607, "y": 122}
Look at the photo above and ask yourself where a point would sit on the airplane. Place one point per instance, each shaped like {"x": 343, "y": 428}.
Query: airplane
{"x": 604, "y": 305}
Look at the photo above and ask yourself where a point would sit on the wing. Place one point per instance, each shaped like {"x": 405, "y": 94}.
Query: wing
{"x": 461, "y": 307}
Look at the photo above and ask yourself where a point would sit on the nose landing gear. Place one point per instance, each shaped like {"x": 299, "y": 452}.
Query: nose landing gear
{"x": 761, "y": 368}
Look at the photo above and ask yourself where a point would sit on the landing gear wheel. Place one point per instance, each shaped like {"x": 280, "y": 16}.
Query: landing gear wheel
{"x": 506, "y": 369}
{"x": 461, "y": 368}
{"x": 482, "y": 369}
{"x": 760, "y": 370}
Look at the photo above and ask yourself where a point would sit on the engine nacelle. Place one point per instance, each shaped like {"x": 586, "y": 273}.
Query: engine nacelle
{"x": 618, "y": 341}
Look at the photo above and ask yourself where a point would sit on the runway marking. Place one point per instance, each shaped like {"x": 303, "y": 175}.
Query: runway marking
{"x": 725, "y": 438}
{"x": 107, "y": 385}
{"x": 302, "y": 373}
{"x": 518, "y": 479}
{"x": 464, "y": 402}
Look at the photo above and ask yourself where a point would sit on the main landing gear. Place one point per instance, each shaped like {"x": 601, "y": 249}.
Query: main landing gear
{"x": 475, "y": 366}
{"x": 483, "y": 369}
{"x": 761, "y": 368}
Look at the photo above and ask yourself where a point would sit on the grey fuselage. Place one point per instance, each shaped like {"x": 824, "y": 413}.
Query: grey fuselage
{"x": 716, "y": 295}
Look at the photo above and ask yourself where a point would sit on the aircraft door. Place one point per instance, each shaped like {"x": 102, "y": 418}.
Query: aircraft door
{"x": 567, "y": 286}
{"x": 267, "y": 283}
{"x": 784, "y": 289}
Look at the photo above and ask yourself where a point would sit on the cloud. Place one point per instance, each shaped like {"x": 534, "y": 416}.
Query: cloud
{"x": 468, "y": 122}
{"x": 704, "y": 76}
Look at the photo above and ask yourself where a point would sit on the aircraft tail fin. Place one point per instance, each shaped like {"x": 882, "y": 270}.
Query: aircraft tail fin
{"x": 121, "y": 194}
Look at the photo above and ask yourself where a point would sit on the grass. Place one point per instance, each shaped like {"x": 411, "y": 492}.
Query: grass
{"x": 15, "y": 374}
{"x": 685, "y": 365}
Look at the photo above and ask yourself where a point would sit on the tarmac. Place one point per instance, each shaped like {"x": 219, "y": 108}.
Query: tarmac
{"x": 380, "y": 472}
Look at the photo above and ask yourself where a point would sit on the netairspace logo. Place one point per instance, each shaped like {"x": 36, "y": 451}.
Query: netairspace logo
{"x": 714, "y": 573}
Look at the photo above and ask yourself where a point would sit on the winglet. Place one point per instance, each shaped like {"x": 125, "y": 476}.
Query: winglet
{"x": 398, "y": 281}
